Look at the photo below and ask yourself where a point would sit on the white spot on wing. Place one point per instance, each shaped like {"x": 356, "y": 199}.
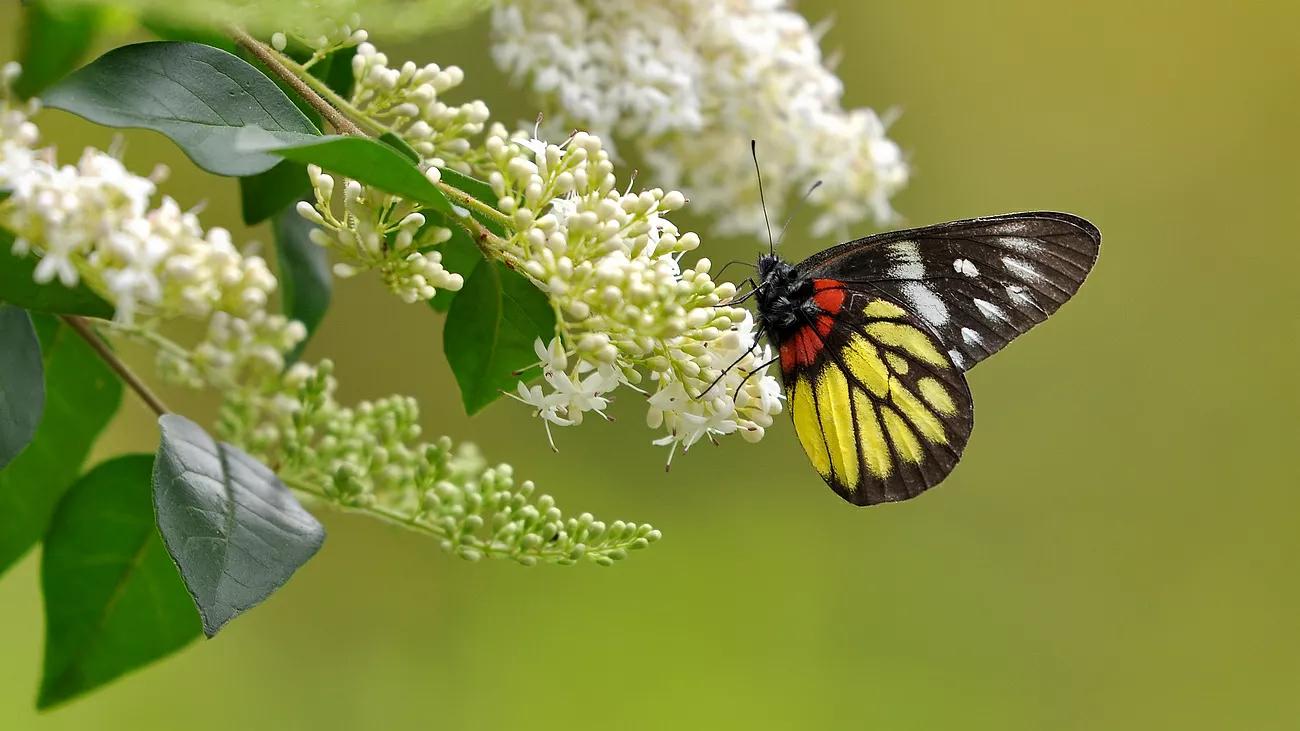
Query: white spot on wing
{"x": 926, "y": 303}
{"x": 956, "y": 358}
{"x": 967, "y": 267}
{"x": 1020, "y": 268}
{"x": 989, "y": 310}
{"x": 907, "y": 261}
{"x": 1023, "y": 245}
{"x": 1018, "y": 293}
{"x": 970, "y": 336}
{"x": 1007, "y": 228}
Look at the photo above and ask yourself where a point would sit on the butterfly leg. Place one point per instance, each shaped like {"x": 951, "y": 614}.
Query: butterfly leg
{"x": 750, "y": 375}
{"x": 757, "y": 339}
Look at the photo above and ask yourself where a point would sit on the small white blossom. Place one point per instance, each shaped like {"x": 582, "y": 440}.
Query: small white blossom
{"x": 408, "y": 101}
{"x": 379, "y": 231}
{"x": 690, "y": 82}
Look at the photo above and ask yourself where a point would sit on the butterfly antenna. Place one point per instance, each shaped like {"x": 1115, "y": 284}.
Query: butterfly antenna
{"x": 753, "y": 150}
{"x": 798, "y": 207}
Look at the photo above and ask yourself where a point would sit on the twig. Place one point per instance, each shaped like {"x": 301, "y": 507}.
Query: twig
{"x": 272, "y": 61}
{"x": 101, "y": 348}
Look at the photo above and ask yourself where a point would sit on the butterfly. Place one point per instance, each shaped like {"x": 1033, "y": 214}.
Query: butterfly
{"x": 874, "y": 336}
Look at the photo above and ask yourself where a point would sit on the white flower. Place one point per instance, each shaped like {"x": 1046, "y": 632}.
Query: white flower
{"x": 608, "y": 261}
{"x": 379, "y": 231}
{"x": 689, "y": 83}
{"x": 408, "y": 101}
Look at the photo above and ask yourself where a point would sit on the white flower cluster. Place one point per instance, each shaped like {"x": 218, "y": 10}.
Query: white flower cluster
{"x": 407, "y": 100}
{"x": 323, "y": 38}
{"x": 690, "y": 82}
{"x": 370, "y": 457}
{"x": 236, "y": 353}
{"x": 379, "y": 231}
{"x": 609, "y": 262}
{"x": 92, "y": 221}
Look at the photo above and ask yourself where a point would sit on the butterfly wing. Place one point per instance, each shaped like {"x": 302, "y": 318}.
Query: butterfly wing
{"x": 882, "y": 412}
{"x": 978, "y": 283}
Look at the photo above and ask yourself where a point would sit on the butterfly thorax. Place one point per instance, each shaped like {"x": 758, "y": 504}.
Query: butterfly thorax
{"x": 785, "y": 298}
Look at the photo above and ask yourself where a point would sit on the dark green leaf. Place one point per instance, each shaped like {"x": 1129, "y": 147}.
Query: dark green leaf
{"x": 266, "y": 194}
{"x": 166, "y": 29}
{"x": 234, "y": 530}
{"x": 17, "y": 287}
{"x": 199, "y": 96}
{"x": 490, "y": 331}
{"x": 307, "y": 110}
{"x": 459, "y": 256}
{"x": 113, "y": 599}
{"x": 475, "y": 187}
{"x": 82, "y": 396}
{"x": 22, "y": 382}
{"x": 336, "y": 71}
{"x": 55, "y": 39}
{"x": 365, "y": 160}
{"x": 399, "y": 144}
{"x": 305, "y": 282}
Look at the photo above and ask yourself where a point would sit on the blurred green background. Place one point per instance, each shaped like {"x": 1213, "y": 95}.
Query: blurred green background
{"x": 1118, "y": 549}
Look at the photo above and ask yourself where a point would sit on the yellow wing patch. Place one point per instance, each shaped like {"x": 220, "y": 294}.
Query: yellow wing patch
{"x": 834, "y": 406}
{"x": 909, "y": 339}
{"x": 806, "y": 424}
{"x": 884, "y": 309}
{"x": 886, "y": 414}
{"x": 936, "y": 395}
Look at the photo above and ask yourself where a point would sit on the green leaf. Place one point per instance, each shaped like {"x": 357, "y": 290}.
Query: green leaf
{"x": 399, "y": 144}
{"x": 475, "y": 187}
{"x": 459, "y": 256}
{"x": 22, "y": 382}
{"x": 18, "y": 288}
{"x": 168, "y": 30}
{"x": 305, "y": 281}
{"x": 113, "y": 599}
{"x": 82, "y": 396}
{"x": 266, "y": 194}
{"x": 234, "y": 530}
{"x": 365, "y": 160}
{"x": 199, "y": 96}
{"x": 490, "y": 331}
{"x": 55, "y": 39}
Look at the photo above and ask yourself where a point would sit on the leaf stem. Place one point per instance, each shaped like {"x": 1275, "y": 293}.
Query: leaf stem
{"x": 276, "y": 63}
{"x": 101, "y": 349}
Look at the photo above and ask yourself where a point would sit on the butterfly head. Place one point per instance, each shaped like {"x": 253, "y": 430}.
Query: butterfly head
{"x": 784, "y": 296}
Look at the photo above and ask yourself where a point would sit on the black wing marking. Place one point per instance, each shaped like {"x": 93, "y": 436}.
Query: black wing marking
{"x": 978, "y": 283}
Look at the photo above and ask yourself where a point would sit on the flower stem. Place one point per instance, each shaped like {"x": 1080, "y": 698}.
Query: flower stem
{"x": 465, "y": 200}
{"x": 101, "y": 349}
{"x": 276, "y": 63}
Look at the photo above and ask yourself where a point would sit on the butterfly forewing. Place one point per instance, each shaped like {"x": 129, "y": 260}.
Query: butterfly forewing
{"x": 881, "y": 410}
{"x": 977, "y": 283}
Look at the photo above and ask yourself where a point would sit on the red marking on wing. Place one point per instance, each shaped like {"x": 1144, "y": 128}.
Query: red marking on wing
{"x": 802, "y": 348}
{"x": 824, "y": 324}
{"x": 828, "y": 294}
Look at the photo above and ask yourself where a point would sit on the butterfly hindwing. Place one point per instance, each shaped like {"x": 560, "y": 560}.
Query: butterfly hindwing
{"x": 881, "y": 410}
{"x": 977, "y": 283}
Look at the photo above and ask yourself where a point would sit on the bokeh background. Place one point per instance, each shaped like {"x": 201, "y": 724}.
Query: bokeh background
{"x": 1118, "y": 549}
